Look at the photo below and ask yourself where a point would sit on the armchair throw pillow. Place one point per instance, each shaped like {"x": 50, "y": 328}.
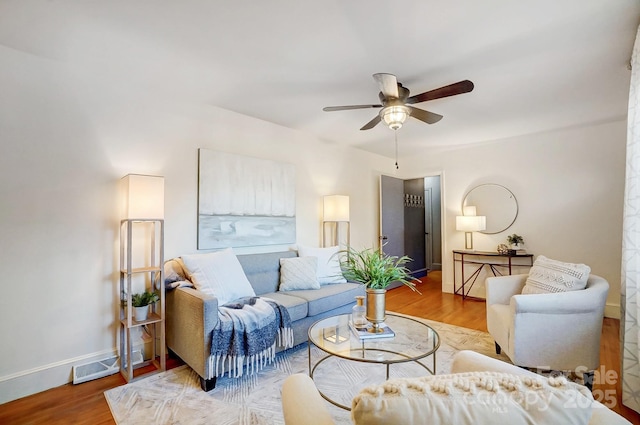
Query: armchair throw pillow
{"x": 550, "y": 276}
{"x": 218, "y": 274}
{"x": 298, "y": 273}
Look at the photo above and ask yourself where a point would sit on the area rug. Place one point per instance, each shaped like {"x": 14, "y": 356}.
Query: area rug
{"x": 175, "y": 397}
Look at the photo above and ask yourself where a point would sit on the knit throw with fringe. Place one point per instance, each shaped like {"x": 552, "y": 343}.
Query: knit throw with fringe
{"x": 247, "y": 334}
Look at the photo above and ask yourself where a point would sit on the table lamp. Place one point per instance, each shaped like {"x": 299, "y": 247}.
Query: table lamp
{"x": 469, "y": 223}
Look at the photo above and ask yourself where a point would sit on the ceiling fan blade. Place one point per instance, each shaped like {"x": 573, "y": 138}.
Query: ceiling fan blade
{"x": 424, "y": 116}
{"x": 372, "y": 123}
{"x": 346, "y": 108}
{"x": 388, "y": 84}
{"x": 451, "y": 90}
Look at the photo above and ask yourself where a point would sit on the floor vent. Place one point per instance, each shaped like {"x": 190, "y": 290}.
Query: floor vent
{"x": 100, "y": 368}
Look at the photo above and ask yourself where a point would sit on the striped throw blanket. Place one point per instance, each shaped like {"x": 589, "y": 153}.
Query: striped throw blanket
{"x": 247, "y": 334}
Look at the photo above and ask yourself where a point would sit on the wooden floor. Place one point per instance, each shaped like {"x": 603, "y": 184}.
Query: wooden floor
{"x": 85, "y": 403}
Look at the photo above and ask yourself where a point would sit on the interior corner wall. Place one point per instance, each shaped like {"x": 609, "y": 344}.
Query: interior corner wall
{"x": 66, "y": 142}
{"x": 569, "y": 185}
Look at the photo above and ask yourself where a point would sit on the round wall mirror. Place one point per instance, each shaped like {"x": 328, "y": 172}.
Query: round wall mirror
{"x": 496, "y": 202}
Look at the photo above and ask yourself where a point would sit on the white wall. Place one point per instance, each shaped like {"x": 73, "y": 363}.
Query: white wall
{"x": 569, "y": 185}
{"x": 66, "y": 141}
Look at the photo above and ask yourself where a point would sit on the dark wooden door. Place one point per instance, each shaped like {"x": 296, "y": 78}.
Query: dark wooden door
{"x": 392, "y": 215}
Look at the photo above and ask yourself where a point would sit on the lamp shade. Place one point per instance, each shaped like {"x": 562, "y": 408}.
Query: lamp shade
{"x": 471, "y": 223}
{"x": 469, "y": 210}
{"x": 143, "y": 197}
{"x": 336, "y": 208}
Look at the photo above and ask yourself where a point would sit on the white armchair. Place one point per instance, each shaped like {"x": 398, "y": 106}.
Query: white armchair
{"x": 555, "y": 331}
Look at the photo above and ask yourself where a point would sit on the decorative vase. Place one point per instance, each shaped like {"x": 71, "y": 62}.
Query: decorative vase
{"x": 376, "y": 308}
{"x": 140, "y": 313}
{"x": 358, "y": 312}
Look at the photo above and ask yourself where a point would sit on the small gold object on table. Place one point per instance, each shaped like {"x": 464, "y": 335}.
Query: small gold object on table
{"x": 376, "y": 304}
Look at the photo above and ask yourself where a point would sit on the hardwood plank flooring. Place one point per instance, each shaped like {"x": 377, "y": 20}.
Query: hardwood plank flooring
{"x": 435, "y": 305}
{"x": 85, "y": 403}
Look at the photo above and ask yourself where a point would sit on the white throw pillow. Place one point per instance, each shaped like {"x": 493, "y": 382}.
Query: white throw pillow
{"x": 329, "y": 270}
{"x": 473, "y": 398}
{"x": 549, "y": 276}
{"x": 298, "y": 273}
{"x": 219, "y": 274}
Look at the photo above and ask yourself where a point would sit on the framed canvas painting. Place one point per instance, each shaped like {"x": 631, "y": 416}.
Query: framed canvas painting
{"x": 244, "y": 201}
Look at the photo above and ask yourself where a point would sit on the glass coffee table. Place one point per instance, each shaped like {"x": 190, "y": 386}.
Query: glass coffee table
{"x": 414, "y": 341}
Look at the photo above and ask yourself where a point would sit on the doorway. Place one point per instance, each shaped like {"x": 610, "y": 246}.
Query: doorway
{"x": 411, "y": 221}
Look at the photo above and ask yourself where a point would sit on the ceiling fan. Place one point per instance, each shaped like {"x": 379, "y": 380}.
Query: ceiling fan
{"x": 395, "y": 101}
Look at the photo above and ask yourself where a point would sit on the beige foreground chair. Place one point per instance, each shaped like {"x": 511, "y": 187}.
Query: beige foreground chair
{"x": 303, "y": 405}
{"x": 557, "y": 331}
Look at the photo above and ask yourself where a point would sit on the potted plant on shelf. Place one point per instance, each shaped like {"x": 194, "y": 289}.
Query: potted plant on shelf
{"x": 141, "y": 302}
{"x": 376, "y": 271}
{"x": 515, "y": 242}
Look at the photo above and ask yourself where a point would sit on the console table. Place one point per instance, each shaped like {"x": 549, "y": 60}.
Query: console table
{"x": 496, "y": 262}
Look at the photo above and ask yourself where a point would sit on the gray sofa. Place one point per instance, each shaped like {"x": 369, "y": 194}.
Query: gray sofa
{"x": 191, "y": 315}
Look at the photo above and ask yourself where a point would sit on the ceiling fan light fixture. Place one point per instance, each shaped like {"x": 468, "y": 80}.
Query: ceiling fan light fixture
{"x": 394, "y": 116}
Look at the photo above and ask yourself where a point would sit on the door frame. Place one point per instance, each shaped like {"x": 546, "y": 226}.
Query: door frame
{"x": 443, "y": 215}
{"x": 428, "y": 229}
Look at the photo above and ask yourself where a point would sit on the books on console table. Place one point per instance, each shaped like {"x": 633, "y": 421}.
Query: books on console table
{"x": 362, "y": 331}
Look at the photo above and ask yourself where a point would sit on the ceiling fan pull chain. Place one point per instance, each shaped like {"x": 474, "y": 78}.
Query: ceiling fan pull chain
{"x": 395, "y": 133}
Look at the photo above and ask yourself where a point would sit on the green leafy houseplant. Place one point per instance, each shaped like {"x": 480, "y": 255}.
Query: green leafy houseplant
{"x": 374, "y": 269}
{"x": 515, "y": 239}
{"x": 144, "y": 298}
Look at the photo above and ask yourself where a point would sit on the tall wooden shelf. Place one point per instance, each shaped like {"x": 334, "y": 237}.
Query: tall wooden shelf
{"x": 150, "y": 234}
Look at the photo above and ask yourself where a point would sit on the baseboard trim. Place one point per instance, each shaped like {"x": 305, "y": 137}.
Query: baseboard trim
{"x": 612, "y": 311}
{"x": 447, "y": 288}
{"x": 41, "y": 378}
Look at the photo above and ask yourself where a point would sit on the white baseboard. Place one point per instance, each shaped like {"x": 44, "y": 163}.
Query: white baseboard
{"x": 38, "y": 379}
{"x": 448, "y": 288}
{"x": 612, "y": 311}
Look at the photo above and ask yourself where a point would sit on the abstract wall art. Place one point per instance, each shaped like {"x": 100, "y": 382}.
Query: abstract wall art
{"x": 244, "y": 201}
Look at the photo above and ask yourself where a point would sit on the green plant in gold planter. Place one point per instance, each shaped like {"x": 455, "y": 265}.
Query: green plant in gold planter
{"x": 376, "y": 271}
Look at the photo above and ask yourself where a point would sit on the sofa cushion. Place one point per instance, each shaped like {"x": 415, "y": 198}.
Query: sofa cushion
{"x": 473, "y": 398}
{"x": 329, "y": 297}
{"x": 297, "y": 307}
{"x": 263, "y": 270}
{"x": 329, "y": 270}
{"x": 549, "y": 276}
{"x": 218, "y": 274}
{"x": 298, "y": 273}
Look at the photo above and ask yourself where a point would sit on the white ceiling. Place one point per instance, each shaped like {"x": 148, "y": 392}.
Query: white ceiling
{"x": 536, "y": 65}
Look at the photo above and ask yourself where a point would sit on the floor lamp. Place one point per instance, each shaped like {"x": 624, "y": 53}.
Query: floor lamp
{"x": 142, "y": 271}
{"x": 335, "y": 221}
